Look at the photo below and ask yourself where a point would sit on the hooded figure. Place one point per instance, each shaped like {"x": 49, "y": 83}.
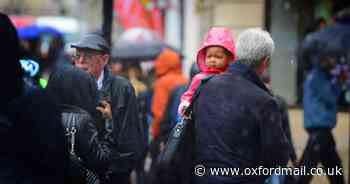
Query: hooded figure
{"x": 31, "y": 135}
{"x": 168, "y": 73}
{"x": 217, "y": 37}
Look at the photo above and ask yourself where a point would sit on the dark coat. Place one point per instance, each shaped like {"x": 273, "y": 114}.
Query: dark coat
{"x": 283, "y": 107}
{"x": 128, "y": 130}
{"x": 238, "y": 125}
{"x": 76, "y": 92}
{"x": 95, "y": 152}
{"x": 35, "y": 150}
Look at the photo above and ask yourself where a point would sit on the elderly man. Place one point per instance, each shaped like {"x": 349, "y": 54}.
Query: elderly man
{"x": 237, "y": 121}
{"x": 92, "y": 55}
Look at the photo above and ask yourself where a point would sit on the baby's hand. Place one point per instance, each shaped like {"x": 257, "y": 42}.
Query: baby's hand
{"x": 182, "y": 107}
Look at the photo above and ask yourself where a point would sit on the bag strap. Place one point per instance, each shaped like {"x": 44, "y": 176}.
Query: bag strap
{"x": 188, "y": 111}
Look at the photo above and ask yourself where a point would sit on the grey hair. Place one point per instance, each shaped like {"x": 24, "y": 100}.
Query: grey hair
{"x": 253, "y": 45}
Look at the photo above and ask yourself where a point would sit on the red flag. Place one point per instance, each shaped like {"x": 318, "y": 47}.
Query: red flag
{"x": 131, "y": 13}
{"x": 157, "y": 20}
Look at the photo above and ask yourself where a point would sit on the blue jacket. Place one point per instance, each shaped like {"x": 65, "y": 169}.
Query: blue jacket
{"x": 320, "y": 100}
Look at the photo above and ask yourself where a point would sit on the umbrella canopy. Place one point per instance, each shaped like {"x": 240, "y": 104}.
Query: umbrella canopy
{"x": 137, "y": 44}
{"x": 137, "y": 52}
{"x": 331, "y": 41}
{"x": 34, "y": 31}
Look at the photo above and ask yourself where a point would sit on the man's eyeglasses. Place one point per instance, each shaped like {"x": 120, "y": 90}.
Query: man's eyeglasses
{"x": 85, "y": 56}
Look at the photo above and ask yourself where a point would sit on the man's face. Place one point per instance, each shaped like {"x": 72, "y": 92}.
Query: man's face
{"x": 116, "y": 68}
{"x": 91, "y": 61}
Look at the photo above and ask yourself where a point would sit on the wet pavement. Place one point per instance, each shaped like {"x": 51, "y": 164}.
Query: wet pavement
{"x": 341, "y": 134}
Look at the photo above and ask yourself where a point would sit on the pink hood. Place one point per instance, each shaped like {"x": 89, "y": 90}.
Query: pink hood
{"x": 217, "y": 36}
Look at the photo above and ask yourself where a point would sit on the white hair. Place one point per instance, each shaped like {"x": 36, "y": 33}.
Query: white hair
{"x": 253, "y": 45}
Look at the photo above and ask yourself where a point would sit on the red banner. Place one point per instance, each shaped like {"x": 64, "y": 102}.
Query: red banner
{"x": 131, "y": 14}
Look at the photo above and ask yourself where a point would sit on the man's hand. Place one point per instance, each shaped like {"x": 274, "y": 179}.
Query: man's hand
{"x": 105, "y": 109}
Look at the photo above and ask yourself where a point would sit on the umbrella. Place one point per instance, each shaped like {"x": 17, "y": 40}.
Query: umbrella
{"x": 137, "y": 44}
{"x": 34, "y": 31}
{"x": 331, "y": 41}
{"x": 137, "y": 51}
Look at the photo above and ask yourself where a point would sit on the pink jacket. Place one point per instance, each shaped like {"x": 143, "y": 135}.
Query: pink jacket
{"x": 217, "y": 36}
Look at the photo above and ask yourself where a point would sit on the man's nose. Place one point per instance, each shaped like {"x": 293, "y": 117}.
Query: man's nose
{"x": 80, "y": 59}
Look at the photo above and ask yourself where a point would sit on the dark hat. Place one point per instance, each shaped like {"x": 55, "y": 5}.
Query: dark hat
{"x": 92, "y": 41}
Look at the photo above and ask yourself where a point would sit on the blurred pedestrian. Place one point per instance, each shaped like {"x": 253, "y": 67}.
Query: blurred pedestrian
{"x": 34, "y": 150}
{"x": 116, "y": 68}
{"x": 92, "y": 55}
{"x": 213, "y": 57}
{"x": 171, "y": 174}
{"x": 168, "y": 72}
{"x": 171, "y": 116}
{"x": 304, "y": 64}
{"x": 237, "y": 121}
{"x": 167, "y": 68}
{"x": 135, "y": 76}
{"x": 76, "y": 93}
{"x": 320, "y": 117}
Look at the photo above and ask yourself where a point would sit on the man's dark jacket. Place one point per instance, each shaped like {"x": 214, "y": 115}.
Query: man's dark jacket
{"x": 127, "y": 128}
{"x": 237, "y": 125}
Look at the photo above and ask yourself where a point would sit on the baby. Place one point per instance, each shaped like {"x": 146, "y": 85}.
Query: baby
{"x": 212, "y": 58}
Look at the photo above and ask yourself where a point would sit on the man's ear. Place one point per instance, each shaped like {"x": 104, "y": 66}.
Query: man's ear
{"x": 264, "y": 64}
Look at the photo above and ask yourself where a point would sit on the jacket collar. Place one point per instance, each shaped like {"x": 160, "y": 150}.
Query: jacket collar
{"x": 243, "y": 70}
{"x": 107, "y": 76}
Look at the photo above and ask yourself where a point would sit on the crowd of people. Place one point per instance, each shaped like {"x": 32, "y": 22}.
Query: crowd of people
{"x": 89, "y": 124}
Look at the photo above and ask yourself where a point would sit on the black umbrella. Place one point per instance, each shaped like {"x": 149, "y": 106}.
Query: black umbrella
{"x": 133, "y": 51}
{"x": 331, "y": 41}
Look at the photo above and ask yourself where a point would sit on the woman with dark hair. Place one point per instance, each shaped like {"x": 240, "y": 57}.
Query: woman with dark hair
{"x": 76, "y": 92}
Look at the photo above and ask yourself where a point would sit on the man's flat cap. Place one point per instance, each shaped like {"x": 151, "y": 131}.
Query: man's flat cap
{"x": 92, "y": 41}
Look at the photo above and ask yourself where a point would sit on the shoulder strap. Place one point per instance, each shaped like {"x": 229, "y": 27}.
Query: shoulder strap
{"x": 188, "y": 111}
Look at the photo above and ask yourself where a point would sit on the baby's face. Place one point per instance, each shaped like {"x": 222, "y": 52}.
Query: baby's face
{"x": 216, "y": 57}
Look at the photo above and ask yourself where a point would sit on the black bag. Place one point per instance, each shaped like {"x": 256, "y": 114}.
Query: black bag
{"x": 79, "y": 173}
{"x": 178, "y": 156}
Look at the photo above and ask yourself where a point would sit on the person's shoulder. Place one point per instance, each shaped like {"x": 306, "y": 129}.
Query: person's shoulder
{"x": 239, "y": 85}
{"x": 120, "y": 81}
{"x": 223, "y": 78}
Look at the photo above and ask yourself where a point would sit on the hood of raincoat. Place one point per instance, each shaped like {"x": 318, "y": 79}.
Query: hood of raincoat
{"x": 217, "y": 36}
{"x": 168, "y": 61}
